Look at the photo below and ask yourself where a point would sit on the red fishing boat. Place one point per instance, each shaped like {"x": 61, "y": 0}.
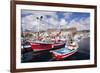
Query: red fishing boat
{"x": 41, "y": 46}
{"x": 42, "y": 43}
{"x": 45, "y": 43}
{"x": 65, "y": 52}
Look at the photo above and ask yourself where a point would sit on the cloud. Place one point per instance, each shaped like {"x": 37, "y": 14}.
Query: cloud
{"x": 51, "y": 20}
{"x": 39, "y": 13}
{"x": 63, "y": 22}
{"x": 67, "y": 15}
{"x": 30, "y": 21}
{"x": 81, "y": 24}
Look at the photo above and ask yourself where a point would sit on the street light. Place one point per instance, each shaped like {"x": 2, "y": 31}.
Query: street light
{"x": 39, "y": 20}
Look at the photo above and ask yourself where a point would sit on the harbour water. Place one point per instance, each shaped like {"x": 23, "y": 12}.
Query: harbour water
{"x": 82, "y": 54}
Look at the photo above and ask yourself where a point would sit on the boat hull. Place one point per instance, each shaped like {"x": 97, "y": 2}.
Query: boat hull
{"x": 62, "y": 56}
{"x": 43, "y": 47}
{"x": 65, "y": 52}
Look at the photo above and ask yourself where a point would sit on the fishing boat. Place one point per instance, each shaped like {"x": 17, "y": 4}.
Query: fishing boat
{"x": 46, "y": 43}
{"x": 65, "y": 52}
{"x": 41, "y": 46}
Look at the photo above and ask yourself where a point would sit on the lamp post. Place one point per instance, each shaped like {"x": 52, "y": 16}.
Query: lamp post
{"x": 39, "y": 20}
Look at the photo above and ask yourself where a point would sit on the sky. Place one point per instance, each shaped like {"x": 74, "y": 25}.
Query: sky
{"x": 54, "y": 20}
